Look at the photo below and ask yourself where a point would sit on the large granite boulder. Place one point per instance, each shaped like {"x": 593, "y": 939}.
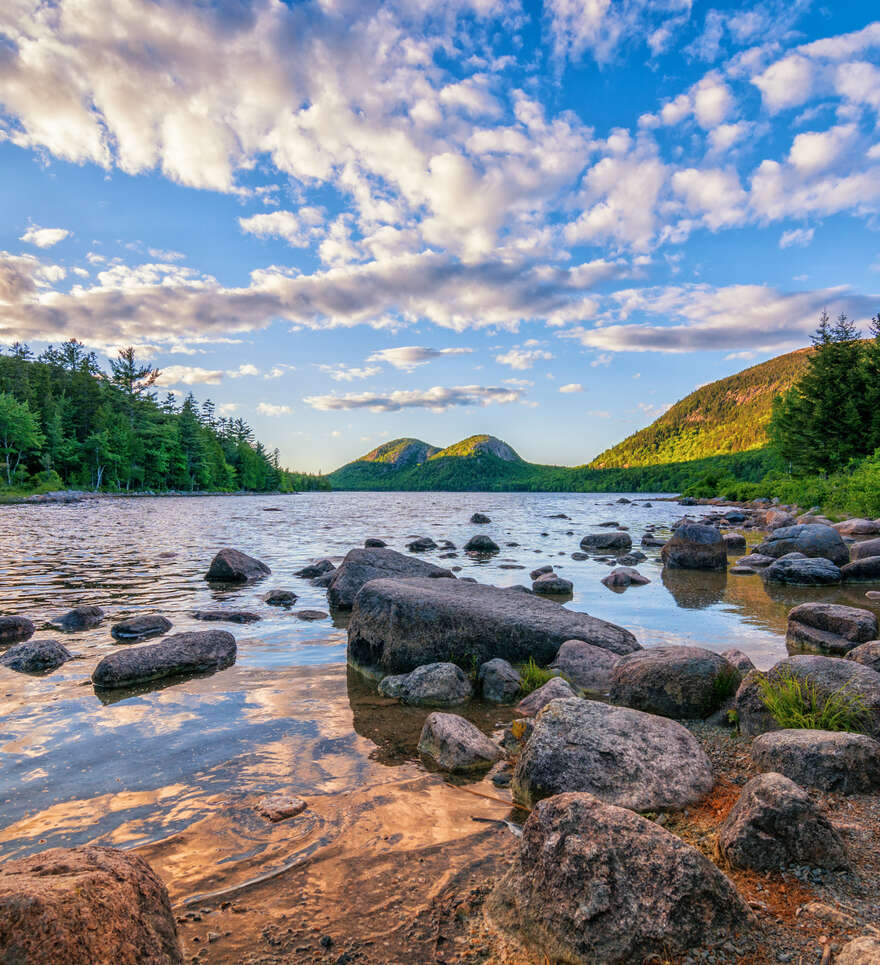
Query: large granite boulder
{"x": 867, "y": 654}
{"x": 613, "y": 542}
{"x": 623, "y": 756}
{"x": 81, "y": 618}
{"x": 555, "y": 689}
{"x": 233, "y": 566}
{"x": 15, "y": 629}
{"x": 866, "y": 569}
{"x": 679, "y": 682}
{"x": 362, "y": 565}
{"x": 595, "y": 884}
{"x": 140, "y": 627}
{"x": 397, "y": 625}
{"x": 774, "y": 824}
{"x": 181, "y": 653}
{"x": 828, "y": 628}
{"x": 499, "y": 681}
{"x": 35, "y": 656}
{"x": 802, "y": 571}
{"x": 586, "y": 666}
{"x": 862, "y": 550}
{"x": 812, "y": 539}
{"x": 432, "y": 685}
{"x": 735, "y": 543}
{"x": 827, "y": 760}
{"x": 84, "y": 906}
{"x": 858, "y": 527}
{"x": 695, "y": 546}
{"x": 454, "y": 744}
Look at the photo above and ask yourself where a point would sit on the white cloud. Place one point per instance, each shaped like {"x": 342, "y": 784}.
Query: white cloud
{"x": 786, "y": 83}
{"x": 571, "y": 387}
{"x": 604, "y": 359}
{"x": 44, "y": 237}
{"x": 436, "y": 399}
{"x": 799, "y": 237}
{"x": 715, "y": 195}
{"x": 349, "y": 373}
{"x": 297, "y": 229}
{"x": 270, "y": 409}
{"x": 407, "y": 357}
{"x": 713, "y": 101}
{"x": 189, "y": 375}
{"x": 521, "y": 358}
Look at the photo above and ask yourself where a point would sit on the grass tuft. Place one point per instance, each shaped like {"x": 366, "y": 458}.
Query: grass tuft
{"x": 533, "y": 675}
{"x": 796, "y": 703}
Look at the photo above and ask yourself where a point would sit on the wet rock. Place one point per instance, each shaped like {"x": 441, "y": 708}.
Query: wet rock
{"x": 860, "y": 951}
{"x": 181, "y": 653}
{"x": 280, "y": 598}
{"x": 755, "y": 560}
{"x": 867, "y": 654}
{"x": 323, "y": 581}
{"x": 593, "y": 883}
{"x": 540, "y": 571}
{"x": 623, "y": 576}
{"x": 802, "y": 572}
{"x": 863, "y": 570}
{"x": 432, "y": 685}
{"x": 812, "y": 539}
{"x": 827, "y": 760}
{"x": 738, "y": 659}
{"x": 774, "y": 824}
{"x": 480, "y": 519}
{"x": 15, "y": 629}
{"x": 858, "y": 527}
{"x": 500, "y": 773}
{"x": 35, "y": 656}
{"x": 421, "y": 544}
{"x": 371, "y": 542}
{"x": 579, "y": 556}
{"x": 556, "y": 688}
{"x": 362, "y": 565}
{"x": 82, "y": 906}
{"x": 498, "y": 680}
{"x": 735, "y": 516}
{"x": 481, "y": 544}
{"x": 141, "y": 627}
{"x": 586, "y": 666}
{"x": 779, "y": 519}
{"x": 233, "y": 566}
{"x": 311, "y": 615}
{"x": 314, "y": 570}
{"x": 695, "y": 546}
{"x": 828, "y": 628}
{"x": 454, "y": 744}
{"x": 551, "y": 584}
{"x": 679, "y": 682}
{"x": 280, "y": 807}
{"x": 81, "y": 618}
{"x": 623, "y": 756}
{"x": 610, "y": 524}
{"x": 397, "y": 625}
{"x": 632, "y": 558}
{"x": 649, "y": 539}
{"x": 226, "y": 616}
{"x": 864, "y": 549}
{"x": 735, "y": 543}
{"x": 606, "y": 542}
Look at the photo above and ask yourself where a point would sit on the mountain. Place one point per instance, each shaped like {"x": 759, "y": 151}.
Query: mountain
{"x": 727, "y": 416}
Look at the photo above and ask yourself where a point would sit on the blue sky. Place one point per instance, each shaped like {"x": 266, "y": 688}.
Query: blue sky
{"x": 348, "y": 221}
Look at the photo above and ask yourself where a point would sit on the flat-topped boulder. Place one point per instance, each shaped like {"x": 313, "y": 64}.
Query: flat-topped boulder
{"x": 141, "y": 627}
{"x": 586, "y": 666}
{"x": 865, "y": 548}
{"x": 362, "y": 565}
{"x": 397, "y": 625}
{"x": 432, "y": 685}
{"x": 81, "y": 618}
{"x": 680, "y": 682}
{"x": 812, "y": 539}
{"x": 823, "y": 759}
{"x": 756, "y": 561}
{"x": 233, "y": 566}
{"x": 799, "y": 570}
{"x": 551, "y": 584}
{"x": 35, "y": 656}
{"x": 828, "y": 628}
{"x": 624, "y": 757}
{"x": 15, "y": 629}
{"x": 226, "y": 616}
{"x": 454, "y": 744}
{"x": 867, "y": 654}
{"x": 595, "y": 884}
{"x": 182, "y": 653}
{"x": 858, "y": 527}
{"x": 866, "y": 569}
{"x": 83, "y": 906}
{"x": 613, "y": 542}
{"x": 695, "y": 546}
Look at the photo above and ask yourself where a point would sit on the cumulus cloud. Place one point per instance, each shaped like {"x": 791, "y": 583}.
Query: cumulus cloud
{"x": 270, "y": 409}
{"x": 571, "y": 387}
{"x": 44, "y": 237}
{"x": 189, "y": 375}
{"x": 522, "y": 357}
{"x": 408, "y": 357}
{"x": 297, "y": 229}
{"x": 349, "y": 373}
{"x": 799, "y": 237}
{"x": 436, "y": 399}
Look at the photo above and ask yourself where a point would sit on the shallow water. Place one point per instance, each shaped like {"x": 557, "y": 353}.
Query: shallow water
{"x": 175, "y": 770}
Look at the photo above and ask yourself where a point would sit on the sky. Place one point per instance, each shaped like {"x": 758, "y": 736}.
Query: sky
{"x": 347, "y": 221}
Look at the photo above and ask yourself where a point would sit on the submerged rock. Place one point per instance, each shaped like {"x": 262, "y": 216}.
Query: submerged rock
{"x": 481, "y": 544}
{"x": 480, "y": 519}
{"x": 280, "y": 807}
{"x": 802, "y": 572}
{"x": 362, "y": 565}
{"x": 311, "y": 615}
{"x": 551, "y": 584}
{"x": 226, "y": 616}
{"x": 233, "y": 566}
{"x": 182, "y": 653}
{"x": 280, "y": 598}
{"x": 623, "y": 576}
{"x": 812, "y": 539}
{"x": 454, "y": 744}
{"x": 828, "y": 628}
{"x": 606, "y": 542}
{"x": 314, "y": 570}
{"x": 372, "y": 542}
{"x": 35, "y": 656}
{"x": 586, "y": 666}
{"x": 141, "y": 627}
{"x": 15, "y": 629}
{"x": 540, "y": 571}
{"x": 695, "y": 546}
{"x": 81, "y": 618}
{"x": 432, "y": 685}
{"x": 499, "y": 681}
{"x": 421, "y": 544}
{"x": 828, "y": 760}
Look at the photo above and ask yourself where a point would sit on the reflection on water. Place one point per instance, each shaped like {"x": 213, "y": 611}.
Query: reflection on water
{"x": 175, "y": 768}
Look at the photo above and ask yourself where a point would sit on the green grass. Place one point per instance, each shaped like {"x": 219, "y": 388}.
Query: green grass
{"x": 725, "y": 684}
{"x": 796, "y": 703}
{"x": 533, "y": 675}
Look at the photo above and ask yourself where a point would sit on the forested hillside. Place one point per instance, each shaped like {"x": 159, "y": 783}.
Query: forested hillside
{"x": 65, "y": 422}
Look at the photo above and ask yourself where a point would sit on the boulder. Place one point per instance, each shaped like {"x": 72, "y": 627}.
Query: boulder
{"x": 858, "y": 527}
{"x": 182, "y": 653}
{"x": 280, "y": 807}
{"x": 311, "y": 615}
{"x": 595, "y": 884}
{"x": 866, "y": 569}
{"x": 233, "y": 566}
{"x": 864, "y": 950}
{"x": 812, "y": 539}
{"x": 779, "y": 519}
{"x": 631, "y": 558}
{"x": 822, "y": 759}
{"x": 15, "y": 629}
{"x": 735, "y": 543}
{"x": 81, "y": 618}
{"x": 551, "y": 584}
{"x": 555, "y": 689}
{"x": 362, "y": 565}
{"x": 540, "y": 571}
{"x": 828, "y": 628}
{"x": 280, "y": 598}
{"x": 35, "y": 656}
{"x": 480, "y": 519}
{"x": 865, "y": 548}
{"x": 454, "y": 744}
{"x": 141, "y": 627}
{"x": 586, "y": 666}
{"x": 802, "y": 571}
{"x": 695, "y": 546}
{"x": 498, "y": 680}
{"x": 867, "y": 654}
{"x": 738, "y": 659}
{"x": 83, "y": 906}
{"x": 775, "y": 824}
{"x": 432, "y": 685}
{"x": 226, "y": 616}
{"x": 371, "y": 542}
{"x": 421, "y": 544}
{"x": 481, "y": 544}
{"x": 623, "y": 756}
{"x": 314, "y": 570}
{"x": 397, "y": 625}
{"x": 755, "y": 560}
{"x": 735, "y": 516}
{"x": 623, "y": 576}
{"x": 614, "y": 542}
{"x": 679, "y": 682}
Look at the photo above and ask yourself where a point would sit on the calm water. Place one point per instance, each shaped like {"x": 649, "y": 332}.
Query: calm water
{"x": 175, "y": 770}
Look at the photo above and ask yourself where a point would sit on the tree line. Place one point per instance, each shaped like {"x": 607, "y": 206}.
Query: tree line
{"x": 64, "y": 422}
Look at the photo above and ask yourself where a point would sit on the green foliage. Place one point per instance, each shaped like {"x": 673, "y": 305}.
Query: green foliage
{"x": 533, "y": 676}
{"x": 724, "y": 684}
{"x": 796, "y": 703}
{"x": 64, "y": 422}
